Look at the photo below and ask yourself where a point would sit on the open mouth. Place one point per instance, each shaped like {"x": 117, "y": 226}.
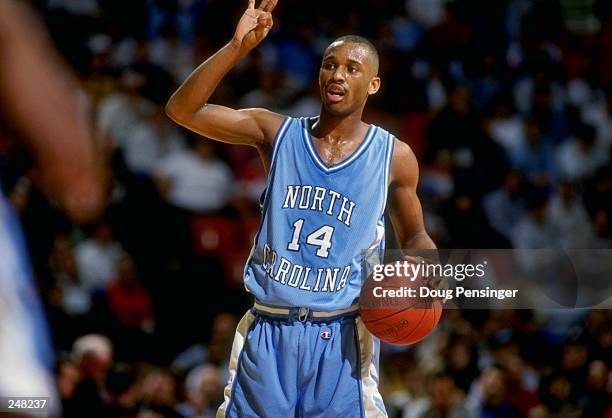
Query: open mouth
{"x": 335, "y": 93}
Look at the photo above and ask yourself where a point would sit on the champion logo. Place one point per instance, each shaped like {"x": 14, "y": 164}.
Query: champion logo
{"x": 326, "y": 335}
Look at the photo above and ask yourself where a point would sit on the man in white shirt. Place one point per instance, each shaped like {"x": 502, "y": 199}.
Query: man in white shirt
{"x": 98, "y": 258}
{"x": 579, "y": 157}
{"x": 195, "y": 180}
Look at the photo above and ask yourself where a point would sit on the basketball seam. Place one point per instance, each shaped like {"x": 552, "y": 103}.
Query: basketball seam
{"x": 418, "y": 323}
{"x": 428, "y": 306}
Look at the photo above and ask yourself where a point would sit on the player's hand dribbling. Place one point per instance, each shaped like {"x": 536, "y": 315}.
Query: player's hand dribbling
{"x": 254, "y": 25}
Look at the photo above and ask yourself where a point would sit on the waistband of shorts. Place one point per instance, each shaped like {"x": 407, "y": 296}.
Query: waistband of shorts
{"x": 303, "y": 314}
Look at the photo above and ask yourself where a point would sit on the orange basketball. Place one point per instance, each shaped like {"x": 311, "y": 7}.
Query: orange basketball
{"x": 398, "y": 309}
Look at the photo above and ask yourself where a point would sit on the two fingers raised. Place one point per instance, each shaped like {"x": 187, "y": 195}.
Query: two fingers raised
{"x": 264, "y": 6}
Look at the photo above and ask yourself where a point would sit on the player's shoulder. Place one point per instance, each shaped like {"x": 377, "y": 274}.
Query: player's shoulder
{"x": 404, "y": 164}
{"x": 404, "y": 167}
{"x": 402, "y": 151}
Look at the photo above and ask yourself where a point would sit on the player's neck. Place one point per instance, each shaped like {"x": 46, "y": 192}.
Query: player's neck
{"x": 335, "y": 127}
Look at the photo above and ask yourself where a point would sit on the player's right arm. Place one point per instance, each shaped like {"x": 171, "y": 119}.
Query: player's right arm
{"x": 189, "y": 105}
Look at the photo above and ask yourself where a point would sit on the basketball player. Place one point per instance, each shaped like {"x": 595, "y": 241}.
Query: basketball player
{"x": 39, "y": 107}
{"x": 303, "y": 351}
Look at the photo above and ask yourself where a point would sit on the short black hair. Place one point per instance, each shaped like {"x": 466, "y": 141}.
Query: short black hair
{"x": 360, "y": 40}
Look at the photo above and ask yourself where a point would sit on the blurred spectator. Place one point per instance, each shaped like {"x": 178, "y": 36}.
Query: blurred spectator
{"x": 538, "y": 90}
{"x": 435, "y": 91}
{"x": 574, "y": 366}
{"x": 452, "y": 131}
{"x": 523, "y": 382}
{"x": 128, "y": 300}
{"x": 481, "y": 72}
{"x": 597, "y": 400}
{"x": 505, "y": 206}
{"x": 449, "y": 38}
{"x": 174, "y": 56}
{"x": 76, "y": 299}
{"x": 159, "y": 393}
{"x": 463, "y": 214}
{"x": 149, "y": 141}
{"x": 603, "y": 230}
{"x": 307, "y": 104}
{"x": 123, "y": 108}
{"x": 507, "y": 126}
{"x": 555, "y": 399}
{"x": 299, "y": 60}
{"x": 215, "y": 351}
{"x": 204, "y": 392}
{"x": 493, "y": 390}
{"x": 93, "y": 355}
{"x": 415, "y": 401}
{"x": 535, "y": 229}
{"x": 427, "y": 13}
{"x": 67, "y": 378}
{"x": 598, "y": 113}
{"x": 195, "y": 180}
{"x": 130, "y": 314}
{"x": 534, "y": 157}
{"x": 98, "y": 257}
{"x": 405, "y": 32}
{"x": 462, "y": 363}
{"x": 569, "y": 217}
{"x": 446, "y": 399}
{"x": 158, "y": 82}
{"x": 268, "y": 94}
{"x": 123, "y": 391}
{"x": 482, "y": 166}
{"x": 582, "y": 154}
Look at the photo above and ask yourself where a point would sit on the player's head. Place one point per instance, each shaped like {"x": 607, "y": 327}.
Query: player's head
{"x": 348, "y": 74}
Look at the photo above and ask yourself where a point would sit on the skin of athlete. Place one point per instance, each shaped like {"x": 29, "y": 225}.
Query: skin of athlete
{"x": 347, "y": 77}
{"x": 39, "y": 104}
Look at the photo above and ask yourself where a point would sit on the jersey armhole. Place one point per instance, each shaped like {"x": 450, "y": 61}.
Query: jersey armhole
{"x": 278, "y": 138}
{"x": 388, "y": 159}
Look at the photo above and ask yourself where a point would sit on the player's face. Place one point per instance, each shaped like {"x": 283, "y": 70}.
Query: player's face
{"x": 346, "y": 78}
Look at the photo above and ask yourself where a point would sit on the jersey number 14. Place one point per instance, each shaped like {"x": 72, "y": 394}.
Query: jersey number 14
{"x": 320, "y": 238}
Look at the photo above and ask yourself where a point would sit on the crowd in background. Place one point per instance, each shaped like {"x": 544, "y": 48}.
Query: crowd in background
{"x": 507, "y": 105}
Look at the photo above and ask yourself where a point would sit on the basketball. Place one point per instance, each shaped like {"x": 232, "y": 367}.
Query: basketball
{"x": 397, "y": 308}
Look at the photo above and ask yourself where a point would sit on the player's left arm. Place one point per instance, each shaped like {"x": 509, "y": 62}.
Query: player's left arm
{"x": 405, "y": 208}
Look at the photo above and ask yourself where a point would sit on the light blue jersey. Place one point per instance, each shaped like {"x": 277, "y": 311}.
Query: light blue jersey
{"x": 318, "y": 220}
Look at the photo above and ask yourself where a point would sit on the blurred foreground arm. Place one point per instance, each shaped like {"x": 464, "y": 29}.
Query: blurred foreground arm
{"x": 38, "y": 102}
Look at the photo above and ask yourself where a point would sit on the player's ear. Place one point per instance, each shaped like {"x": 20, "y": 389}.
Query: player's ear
{"x": 374, "y": 85}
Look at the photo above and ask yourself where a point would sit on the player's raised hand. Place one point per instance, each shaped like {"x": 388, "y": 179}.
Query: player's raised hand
{"x": 254, "y": 25}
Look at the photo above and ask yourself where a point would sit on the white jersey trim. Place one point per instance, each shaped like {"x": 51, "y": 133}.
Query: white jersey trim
{"x": 237, "y": 346}
{"x": 373, "y": 406}
{"x": 317, "y": 159}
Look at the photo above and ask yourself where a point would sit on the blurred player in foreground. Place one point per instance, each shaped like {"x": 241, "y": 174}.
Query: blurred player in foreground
{"x": 303, "y": 349}
{"x": 38, "y": 105}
